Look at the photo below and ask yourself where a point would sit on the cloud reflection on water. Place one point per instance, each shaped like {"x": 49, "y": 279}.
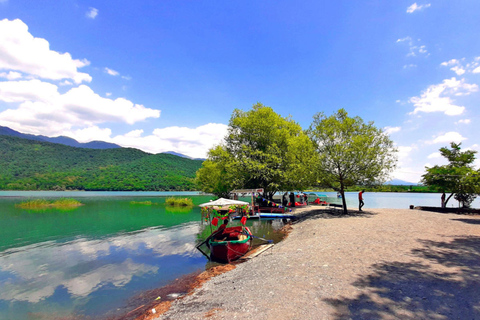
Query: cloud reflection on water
{"x": 84, "y": 266}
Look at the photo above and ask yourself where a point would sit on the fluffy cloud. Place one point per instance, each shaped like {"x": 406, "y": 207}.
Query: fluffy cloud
{"x": 438, "y": 98}
{"x": 193, "y": 142}
{"x": 390, "y": 130}
{"x": 435, "y": 155}
{"x": 463, "y": 121}
{"x": 12, "y": 75}
{"x": 43, "y": 110}
{"x": 460, "y": 67}
{"x": 415, "y": 7}
{"x": 415, "y": 48}
{"x": 448, "y": 137}
{"x": 92, "y": 13}
{"x": 21, "y": 52}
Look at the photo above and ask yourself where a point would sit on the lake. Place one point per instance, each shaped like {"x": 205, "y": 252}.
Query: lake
{"x": 91, "y": 260}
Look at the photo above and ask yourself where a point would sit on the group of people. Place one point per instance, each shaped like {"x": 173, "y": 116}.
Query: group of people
{"x": 303, "y": 199}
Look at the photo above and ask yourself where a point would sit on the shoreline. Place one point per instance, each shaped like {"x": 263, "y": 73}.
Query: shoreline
{"x": 335, "y": 267}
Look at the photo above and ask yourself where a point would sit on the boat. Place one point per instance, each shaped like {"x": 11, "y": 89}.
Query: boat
{"x": 230, "y": 244}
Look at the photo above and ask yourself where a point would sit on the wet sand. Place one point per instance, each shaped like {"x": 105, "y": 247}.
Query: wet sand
{"x": 381, "y": 264}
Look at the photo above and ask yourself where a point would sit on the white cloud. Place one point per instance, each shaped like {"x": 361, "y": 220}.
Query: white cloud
{"x": 31, "y": 90}
{"x": 43, "y": 110}
{"x": 390, "y": 130}
{"x": 12, "y": 75}
{"x": 193, "y": 142}
{"x": 447, "y": 138}
{"x": 108, "y": 94}
{"x": 414, "y": 7}
{"x": 437, "y": 98}
{"x": 435, "y": 155}
{"x": 407, "y": 66}
{"x": 460, "y": 67}
{"x": 414, "y": 47}
{"x": 111, "y": 72}
{"x": 91, "y": 13}
{"x": 463, "y": 121}
{"x": 21, "y": 52}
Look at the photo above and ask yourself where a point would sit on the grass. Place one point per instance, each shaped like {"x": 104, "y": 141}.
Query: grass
{"x": 145, "y": 203}
{"x": 40, "y": 204}
{"x": 181, "y": 202}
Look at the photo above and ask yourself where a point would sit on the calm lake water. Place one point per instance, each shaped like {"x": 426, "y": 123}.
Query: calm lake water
{"x": 91, "y": 260}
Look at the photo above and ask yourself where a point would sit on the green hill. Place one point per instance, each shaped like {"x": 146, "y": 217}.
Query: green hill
{"x": 35, "y": 165}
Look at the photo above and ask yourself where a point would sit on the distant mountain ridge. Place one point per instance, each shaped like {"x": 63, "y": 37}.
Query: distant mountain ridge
{"x": 27, "y": 164}
{"x": 6, "y": 131}
{"x": 398, "y": 182}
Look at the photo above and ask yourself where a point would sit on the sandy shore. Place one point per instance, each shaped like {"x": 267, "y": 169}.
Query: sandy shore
{"x": 382, "y": 264}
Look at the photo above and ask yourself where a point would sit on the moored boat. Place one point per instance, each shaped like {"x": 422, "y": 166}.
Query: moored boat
{"x": 230, "y": 244}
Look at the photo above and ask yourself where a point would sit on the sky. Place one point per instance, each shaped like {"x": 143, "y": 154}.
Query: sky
{"x": 166, "y": 75}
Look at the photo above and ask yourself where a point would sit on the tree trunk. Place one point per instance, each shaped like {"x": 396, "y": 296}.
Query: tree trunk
{"x": 344, "y": 201}
{"x": 446, "y": 201}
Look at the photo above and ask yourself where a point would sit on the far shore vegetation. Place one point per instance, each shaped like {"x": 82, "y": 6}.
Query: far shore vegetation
{"x": 40, "y": 204}
{"x": 179, "y": 202}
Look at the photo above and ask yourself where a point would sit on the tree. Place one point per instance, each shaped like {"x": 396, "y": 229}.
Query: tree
{"x": 350, "y": 152}
{"x": 458, "y": 177}
{"x": 261, "y": 150}
{"x": 216, "y": 174}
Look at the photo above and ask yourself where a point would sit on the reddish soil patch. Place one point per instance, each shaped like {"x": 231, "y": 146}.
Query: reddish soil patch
{"x": 145, "y": 312}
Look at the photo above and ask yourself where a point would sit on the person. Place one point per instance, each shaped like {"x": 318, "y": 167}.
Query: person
{"x": 292, "y": 199}
{"x": 443, "y": 200}
{"x": 284, "y": 199}
{"x": 306, "y": 198}
{"x": 360, "y": 200}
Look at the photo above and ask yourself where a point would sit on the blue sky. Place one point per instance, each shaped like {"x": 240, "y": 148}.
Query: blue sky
{"x": 166, "y": 75}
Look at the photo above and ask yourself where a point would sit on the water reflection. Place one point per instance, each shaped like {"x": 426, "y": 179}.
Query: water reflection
{"x": 84, "y": 268}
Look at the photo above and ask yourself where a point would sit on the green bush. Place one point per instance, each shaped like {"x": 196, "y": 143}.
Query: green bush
{"x": 183, "y": 202}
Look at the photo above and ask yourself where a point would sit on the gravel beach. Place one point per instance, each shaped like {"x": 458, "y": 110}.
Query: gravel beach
{"x": 378, "y": 264}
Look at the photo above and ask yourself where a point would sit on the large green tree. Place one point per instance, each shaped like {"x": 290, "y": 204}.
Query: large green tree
{"x": 350, "y": 152}
{"x": 261, "y": 150}
{"x": 458, "y": 177}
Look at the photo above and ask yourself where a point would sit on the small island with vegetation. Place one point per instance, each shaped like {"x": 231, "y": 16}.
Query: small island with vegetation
{"x": 179, "y": 202}
{"x": 41, "y": 204}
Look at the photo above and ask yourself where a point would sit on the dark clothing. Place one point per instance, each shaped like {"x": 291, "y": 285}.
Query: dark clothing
{"x": 360, "y": 201}
{"x": 292, "y": 200}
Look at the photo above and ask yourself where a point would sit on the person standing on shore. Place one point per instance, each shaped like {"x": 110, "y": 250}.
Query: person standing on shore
{"x": 292, "y": 199}
{"x": 443, "y": 200}
{"x": 360, "y": 200}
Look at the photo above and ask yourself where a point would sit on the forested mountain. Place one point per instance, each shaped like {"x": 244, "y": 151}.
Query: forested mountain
{"x": 61, "y": 139}
{"x": 36, "y": 165}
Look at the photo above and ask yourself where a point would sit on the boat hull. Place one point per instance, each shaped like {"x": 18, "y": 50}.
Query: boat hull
{"x": 228, "y": 251}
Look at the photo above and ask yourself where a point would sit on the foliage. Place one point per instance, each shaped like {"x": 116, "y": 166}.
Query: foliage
{"x": 34, "y": 165}
{"x": 182, "y": 202}
{"x": 217, "y": 174}
{"x": 457, "y": 177}
{"x": 145, "y": 203}
{"x": 350, "y": 152}
{"x": 262, "y": 150}
{"x": 40, "y": 204}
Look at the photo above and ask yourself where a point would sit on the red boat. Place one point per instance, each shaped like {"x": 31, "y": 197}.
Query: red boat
{"x": 230, "y": 244}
